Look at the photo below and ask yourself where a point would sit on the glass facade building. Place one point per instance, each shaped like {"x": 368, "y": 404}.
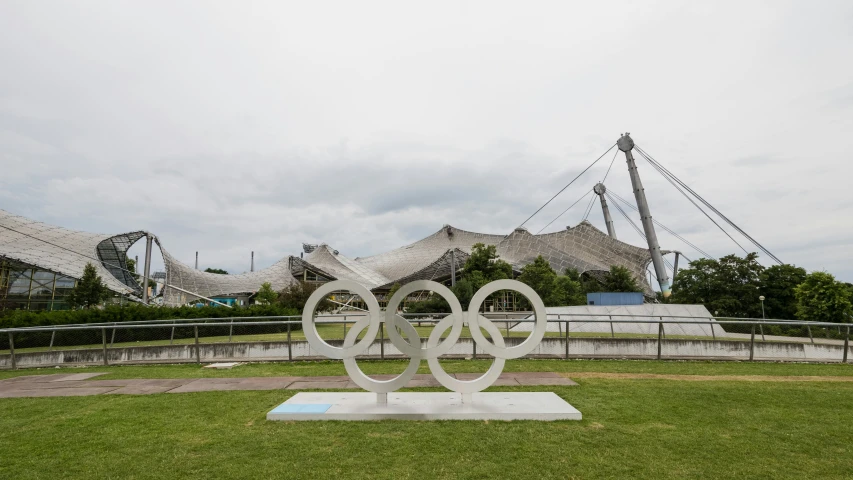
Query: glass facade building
{"x": 40, "y": 263}
{"x": 24, "y": 287}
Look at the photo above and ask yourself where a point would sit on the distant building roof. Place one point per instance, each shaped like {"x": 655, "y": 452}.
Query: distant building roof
{"x": 345, "y": 268}
{"x": 584, "y": 248}
{"x": 67, "y": 252}
{"x": 279, "y": 275}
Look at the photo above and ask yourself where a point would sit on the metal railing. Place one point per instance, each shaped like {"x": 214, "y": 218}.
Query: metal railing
{"x": 568, "y": 336}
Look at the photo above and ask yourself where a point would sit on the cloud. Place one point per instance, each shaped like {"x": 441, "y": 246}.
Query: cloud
{"x": 230, "y": 129}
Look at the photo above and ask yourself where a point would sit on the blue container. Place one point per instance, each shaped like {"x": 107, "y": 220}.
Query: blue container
{"x": 614, "y": 298}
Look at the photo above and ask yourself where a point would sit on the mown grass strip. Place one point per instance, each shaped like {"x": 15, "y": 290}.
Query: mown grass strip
{"x": 631, "y": 429}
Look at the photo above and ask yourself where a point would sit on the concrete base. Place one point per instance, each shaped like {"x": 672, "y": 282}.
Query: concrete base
{"x": 425, "y": 406}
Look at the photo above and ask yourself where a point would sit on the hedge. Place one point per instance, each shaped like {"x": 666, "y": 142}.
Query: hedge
{"x": 134, "y": 313}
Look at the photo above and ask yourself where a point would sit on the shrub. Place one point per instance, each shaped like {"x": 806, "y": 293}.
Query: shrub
{"x": 137, "y": 313}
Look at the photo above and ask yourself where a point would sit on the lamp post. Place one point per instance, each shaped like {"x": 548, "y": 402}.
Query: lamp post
{"x": 761, "y": 298}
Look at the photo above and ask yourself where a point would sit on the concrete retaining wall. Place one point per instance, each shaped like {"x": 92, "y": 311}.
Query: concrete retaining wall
{"x": 549, "y": 347}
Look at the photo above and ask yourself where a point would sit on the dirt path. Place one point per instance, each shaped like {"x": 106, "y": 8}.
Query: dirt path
{"x": 705, "y": 378}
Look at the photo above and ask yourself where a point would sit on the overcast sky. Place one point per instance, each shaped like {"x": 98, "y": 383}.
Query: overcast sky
{"x": 227, "y": 127}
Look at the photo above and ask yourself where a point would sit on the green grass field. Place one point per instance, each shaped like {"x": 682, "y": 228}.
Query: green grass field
{"x": 632, "y": 428}
{"x": 331, "y": 367}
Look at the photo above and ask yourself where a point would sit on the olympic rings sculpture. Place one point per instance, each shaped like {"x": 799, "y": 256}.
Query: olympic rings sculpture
{"x": 414, "y": 347}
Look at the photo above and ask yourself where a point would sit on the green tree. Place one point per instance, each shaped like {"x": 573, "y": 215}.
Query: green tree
{"x": 89, "y": 291}
{"x": 554, "y": 290}
{"x": 266, "y": 295}
{"x": 573, "y": 274}
{"x": 296, "y": 296}
{"x": 619, "y": 279}
{"x": 821, "y": 298}
{"x": 464, "y": 291}
{"x": 431, "y": 304}
{"x": 541, "y": 278}
{"x": 728, "y": 287}
{"x": 588, "y": 283}
{"x": 484, "y": 265}
{"x": 216, "y": 270}
{"x": 777, "y": 285}
{"x": 569, "y": 291}
{"x": 131, "y": 266}
{"x": 393, "y": 290}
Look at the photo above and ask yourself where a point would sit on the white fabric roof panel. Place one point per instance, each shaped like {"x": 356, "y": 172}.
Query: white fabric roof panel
{"x": 405, "y": 261}
{"x": 67, "y": 251}
{"x": 584, "y": 248}
{"x": 279, "y": 275}
{"x": 345, "y": 268}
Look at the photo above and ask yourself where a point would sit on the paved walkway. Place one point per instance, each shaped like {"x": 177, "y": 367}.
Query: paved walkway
{"x": 712, "y": 378}
{"x": 79, "y": 384}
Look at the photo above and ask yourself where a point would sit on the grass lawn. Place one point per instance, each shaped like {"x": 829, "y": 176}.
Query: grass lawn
{"x": 331, "y": 367}
{"x": 631, "y": 429}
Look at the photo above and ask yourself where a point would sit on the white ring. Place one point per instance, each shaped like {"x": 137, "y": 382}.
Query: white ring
{"x": 466, "y": 386}
{"x": 435, "y": 347}
{"x": 310, "y": 329}
{"x": 380, "y": 386}
{"x": 526, "y": 346}
{"x": 391, "y": 317}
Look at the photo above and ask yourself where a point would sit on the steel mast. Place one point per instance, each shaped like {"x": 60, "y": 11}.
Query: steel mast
{"x": 626, "y": 144}
{"x": 147, "y": 268}
{"x": 600, "y": 190}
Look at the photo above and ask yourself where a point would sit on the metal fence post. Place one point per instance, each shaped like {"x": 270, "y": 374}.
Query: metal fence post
{"x": 567, "y": 339}
{"x": 231, "y": 331}
{"x": 12, "y": 351}
{"x": 846, "y": 345}
{"x": 612, "y": 333}
{"x": 289, "y": 348}
{"x": 660, "y": 334}
{"x": 113, "y": 338}
{"x": 172, "y": 338}
{"x": 809, "y": 328}
{"x": 506, "y": 324}
{"x": 752, "y": 343}
{"x": 382, "y": 340}
{"x": 197, "y": 350}
{"x": 52, "y": 336}
{"x": 104, "y": 342}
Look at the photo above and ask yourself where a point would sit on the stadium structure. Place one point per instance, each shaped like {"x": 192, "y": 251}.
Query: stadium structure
{"x": 40, "y": 263}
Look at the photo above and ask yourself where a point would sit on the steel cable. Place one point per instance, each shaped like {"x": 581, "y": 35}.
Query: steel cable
{"x": 564, "y": 212}
{"x": 567, "y": 186}
{"x": 667, "y": 173}
{"x": 655, "y": 166}
{"x": 672, "y": 232}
